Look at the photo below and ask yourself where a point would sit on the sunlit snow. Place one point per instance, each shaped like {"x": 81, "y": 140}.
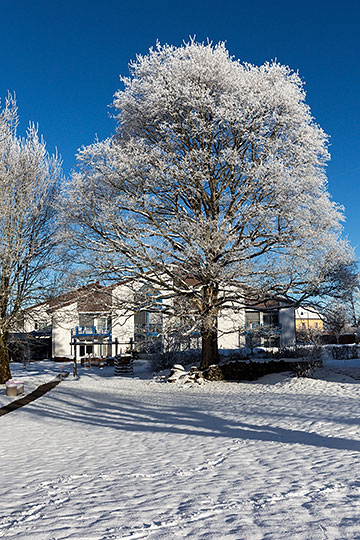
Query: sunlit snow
{"x": 110, "y": 458}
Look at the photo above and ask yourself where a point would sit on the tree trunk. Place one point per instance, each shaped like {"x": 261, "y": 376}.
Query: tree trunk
{"x": 209, "y": 330}
{"x": 209, "y": 347}
{"x": 5, "y": 373}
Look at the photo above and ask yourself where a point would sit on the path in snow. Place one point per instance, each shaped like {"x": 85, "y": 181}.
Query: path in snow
{"x": 113, "y": 458}
{"x": 28, "y": 398}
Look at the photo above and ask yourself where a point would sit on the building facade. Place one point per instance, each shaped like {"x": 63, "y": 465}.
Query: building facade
{"x": 98, "y": 321}
{"x": 308, "y": 318}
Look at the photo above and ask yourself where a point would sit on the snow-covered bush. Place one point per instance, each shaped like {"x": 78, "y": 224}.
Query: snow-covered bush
{"x": 297, "y": 352}
{"x": 160, "y": 361}
{"x": 342, "y": 352}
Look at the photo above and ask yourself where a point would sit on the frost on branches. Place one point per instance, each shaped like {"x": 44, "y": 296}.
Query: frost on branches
{"x": 214, "y": 184}
{"x": 28, "y": 182}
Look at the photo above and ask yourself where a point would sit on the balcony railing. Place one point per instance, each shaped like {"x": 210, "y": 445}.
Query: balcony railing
{"x": 257, "y": 327}
{"x": 87, "y": 331}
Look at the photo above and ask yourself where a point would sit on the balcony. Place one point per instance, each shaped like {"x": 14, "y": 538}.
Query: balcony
{"x": 91, "y": 331}
{"x": 254, "y": 327}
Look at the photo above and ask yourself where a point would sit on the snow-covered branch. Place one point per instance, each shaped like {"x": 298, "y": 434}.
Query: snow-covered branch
{"x": 216, "y": 173}
{"x": 28, "y": 184}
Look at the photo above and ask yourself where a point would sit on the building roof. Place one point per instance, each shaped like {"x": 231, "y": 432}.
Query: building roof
{"x": 91, "y": 297}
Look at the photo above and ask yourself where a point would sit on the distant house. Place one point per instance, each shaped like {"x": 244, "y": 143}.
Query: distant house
{"x": 97, "y": 321}
{"x": 83, "y": 322}
{"x": 308, "y": 318}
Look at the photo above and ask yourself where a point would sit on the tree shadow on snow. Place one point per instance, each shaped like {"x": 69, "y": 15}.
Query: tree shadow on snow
{"x": 121, "y": 413}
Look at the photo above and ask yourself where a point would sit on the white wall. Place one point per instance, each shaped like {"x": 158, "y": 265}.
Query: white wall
{"x": 228, "y": 325}
{"x": 122, "y": 318}
{"x": 36, "y": 318}
{"x": 287, "y": 322}
{"x": 63, "y": 320}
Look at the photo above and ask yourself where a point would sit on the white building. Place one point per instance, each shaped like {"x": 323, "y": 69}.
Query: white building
{"x": 308, "y": 318}
{"x": 96, "y": 320}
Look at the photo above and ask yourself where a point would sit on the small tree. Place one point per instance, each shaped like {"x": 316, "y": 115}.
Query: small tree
{"x": 213, "y": 188}
{"x": 310, "y": 335}
{"x": 28, "y": 184}
{"x": 337, "y": 320}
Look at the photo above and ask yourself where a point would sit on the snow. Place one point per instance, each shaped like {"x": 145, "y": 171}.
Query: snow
{"x": 109, "y": 458}
{"x": 32, "y": 376}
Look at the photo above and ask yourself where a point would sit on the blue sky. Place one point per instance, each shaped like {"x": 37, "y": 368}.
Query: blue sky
{"x": 63, "y": 59}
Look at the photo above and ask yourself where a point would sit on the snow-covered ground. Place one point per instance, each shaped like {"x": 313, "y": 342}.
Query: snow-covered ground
{"x": 105, "y": 458}
{"x": 34, "y": 375}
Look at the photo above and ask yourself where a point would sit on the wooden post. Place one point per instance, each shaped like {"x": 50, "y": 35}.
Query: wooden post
{"x": 116, "y": 346}
{"x": 75, "y": 369}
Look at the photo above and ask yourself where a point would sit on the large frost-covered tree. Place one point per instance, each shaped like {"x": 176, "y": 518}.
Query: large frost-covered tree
{"x": 28, "y": 183}
{"x": 213, "y": 187}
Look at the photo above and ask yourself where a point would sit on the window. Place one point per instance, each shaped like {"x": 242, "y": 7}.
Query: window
{"x": 271, "y": 318}
{"x": 86, "y": 320}
{"x": 148, "y": 322}
{"x": 86, "y": 349}
{"x": 252, "y": 319}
